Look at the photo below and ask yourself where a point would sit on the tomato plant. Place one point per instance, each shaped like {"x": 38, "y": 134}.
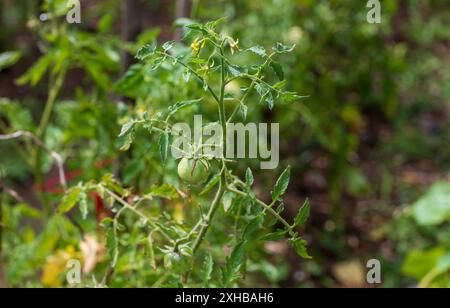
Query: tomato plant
{"x": 98, "y": 118}
{"x": 209, "y": 63}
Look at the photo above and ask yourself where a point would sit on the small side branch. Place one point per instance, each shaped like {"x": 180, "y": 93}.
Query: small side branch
{"x": 56, "y": 157}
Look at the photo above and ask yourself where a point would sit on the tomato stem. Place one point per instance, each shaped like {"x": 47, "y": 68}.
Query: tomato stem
{"x": 222, "y": 185}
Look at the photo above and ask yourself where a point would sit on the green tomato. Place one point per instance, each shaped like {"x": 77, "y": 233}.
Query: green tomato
{"x": 193, "y": 172}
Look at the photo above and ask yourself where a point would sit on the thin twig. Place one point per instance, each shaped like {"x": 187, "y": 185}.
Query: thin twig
{"x": 265, "y": 206}
{"x": 56, "y": 157}
{"x": 13, "y": 194}
{"x": 137, "y": 212}
{"x": 222, "y": 186}
{"x": 217, "y": 99}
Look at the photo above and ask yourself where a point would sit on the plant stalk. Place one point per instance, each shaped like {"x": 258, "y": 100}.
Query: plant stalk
{"x": 265, "y": 206}
{"x": 222, "y": 185}
{"x": 129, "y": 207}
{"x": 54, "y": 88}
{"x": 207, "y": 220}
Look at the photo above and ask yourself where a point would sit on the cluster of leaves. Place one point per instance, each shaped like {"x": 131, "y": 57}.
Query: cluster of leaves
{"x": 176, "y": 245}
{"x": 63, "y": 125}
{"x": 429, "y": 213}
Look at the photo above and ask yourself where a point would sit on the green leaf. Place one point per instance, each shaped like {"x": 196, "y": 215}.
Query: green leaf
{"x": 132, "y": 78}
{"x": 234, "y": 72}
{"x": 187, "y": 75}
{"x": 28, "y": 211}
{"x": 443, "y": 265}
{"x": 146, "y": 51}
{"x": 272, "y": 220}
{"x": 249, "y": 179}
{"x": 237, "y": 71}
{"x": 269, "y": 100}
{"x": 299, "y": 246}
{"x": 237, "y": 257}
{"x": 70, "y": 200}
{"x": 243, "y": 109}
{"x": 18, "y": 117}
{"x": 207, "y": 269}
{"x": 168, "y": 45}
{"x": 289, "y": 97}
{"x": 97, "y": 74}
{"x": 234, "y": 264}
{"x": 197, "y": 61}
{"x": 278, "y": 69}
{"x": 212, "y": 25}
{"x": 433, "y": 208}
{"x": 111, "y": 183}
{"x": 127, "y": 142}
{"x": 183, "y": 22}
{"x": 303, "y": 214}
{"x": 127, "y": 128}
{"x": 281, "y": 48}
{"x": 132, "y": 169}
{"x": 419, "y": 263}
{"x": 9, "y": 58}
{"x": 49, "y": 238}
{"x": 273, "y": 237}
{"x": 262, "y": 89}
{"x": 151, "y": 252}
{"x": 157, "y": 62}
{"x": 127, "y": 135}
{"x": 104, "y": 25}
{"x": 181, "y": 105}
{"x": 252, "y": 227}
{"x": 112, "y": 243}
{"x": 213, "y": 182}
{"x": 165, "y": 191}
{"x": 227, "y": 200}
{"x": 282, "y": 184}
{"x": 164, "y": 145}
{"x": 265, "y": 93}
{"x": 83, "y": 197}
{"x": 37, "y": 71}
{"x": 258, "y": 50}
{"x": 279, "y": 85}
{"x": 197, "y": 27}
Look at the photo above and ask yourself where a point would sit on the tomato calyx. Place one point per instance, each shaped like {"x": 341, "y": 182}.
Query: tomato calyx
{"x": 180, "y": 261}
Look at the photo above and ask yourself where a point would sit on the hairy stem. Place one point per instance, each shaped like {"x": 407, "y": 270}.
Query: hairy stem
{"x": 222, "y": 113}
{"x": 265, "y": 206}
{"x": 222, "y": 186}
{"x": 141, "y": 215}
{"x": 161, "y": 280}
{"x": 55, "y": 87}
{"x": 207, "y": 220}
{"x": 252, "y": 86}
{"x": 193, "y": 72}
{"x": 244, "y": 98}
{"x": 189, "y": 235}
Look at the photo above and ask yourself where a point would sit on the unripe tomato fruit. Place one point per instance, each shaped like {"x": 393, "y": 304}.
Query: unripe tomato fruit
{"x": 193, "y": 172}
